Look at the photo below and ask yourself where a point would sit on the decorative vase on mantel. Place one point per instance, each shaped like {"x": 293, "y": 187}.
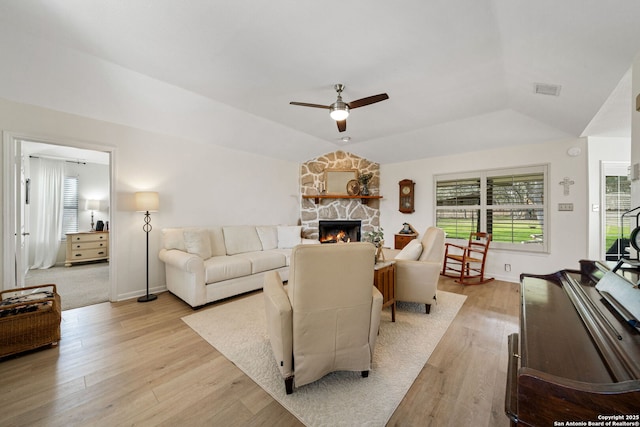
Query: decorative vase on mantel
{"x": 364, "y": 183}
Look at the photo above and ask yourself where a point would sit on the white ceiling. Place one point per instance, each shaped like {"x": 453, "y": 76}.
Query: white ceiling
{"x": 460, "y": 74}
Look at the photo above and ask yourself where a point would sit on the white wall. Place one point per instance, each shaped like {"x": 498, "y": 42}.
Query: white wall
{"x": 93, "y": 184}
{"x": 198, "y": 184}
{"x": 567, "y": 230}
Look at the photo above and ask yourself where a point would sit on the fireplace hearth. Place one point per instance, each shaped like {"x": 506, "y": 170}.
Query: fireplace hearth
{"x": 339, "y": 231}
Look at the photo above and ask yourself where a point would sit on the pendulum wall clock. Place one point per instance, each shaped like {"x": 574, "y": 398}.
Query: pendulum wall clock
{"x": 407, "y": 193}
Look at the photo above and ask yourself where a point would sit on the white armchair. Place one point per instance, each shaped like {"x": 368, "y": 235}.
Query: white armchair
{"x": 327, "y": 319}
{"x": 417, "y": 279}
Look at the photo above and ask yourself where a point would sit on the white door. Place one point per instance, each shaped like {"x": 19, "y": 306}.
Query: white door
{"x": 22, "y": 213}
{"x": 615, "y": 201}
{"x": 15, "y": 244}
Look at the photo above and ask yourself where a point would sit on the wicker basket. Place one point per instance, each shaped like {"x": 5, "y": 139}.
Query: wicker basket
{"x": 27, "y": 330}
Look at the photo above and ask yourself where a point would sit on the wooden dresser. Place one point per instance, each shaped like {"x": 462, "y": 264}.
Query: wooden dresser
{"x": 87, "y": 246}
{"x": 402, "y": 240}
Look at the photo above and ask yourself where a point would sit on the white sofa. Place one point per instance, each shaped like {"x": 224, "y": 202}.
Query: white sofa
{"x": 206, "y": 264}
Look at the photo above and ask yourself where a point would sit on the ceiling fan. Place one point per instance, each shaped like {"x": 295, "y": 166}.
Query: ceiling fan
{"x": 339, "y": 110}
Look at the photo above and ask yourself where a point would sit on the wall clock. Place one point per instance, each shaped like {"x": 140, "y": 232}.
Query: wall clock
{"x": 407, "y": 195}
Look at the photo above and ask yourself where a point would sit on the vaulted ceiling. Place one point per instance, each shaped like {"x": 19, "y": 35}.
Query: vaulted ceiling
{"x": 460, "y": 74}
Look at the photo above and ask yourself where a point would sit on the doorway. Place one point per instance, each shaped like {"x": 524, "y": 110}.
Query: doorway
{"x": 85, "y": 203}
{"x": 615, "y": 200}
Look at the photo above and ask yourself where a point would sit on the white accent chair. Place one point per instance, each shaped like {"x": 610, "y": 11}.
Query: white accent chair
{"x": 417, "y": 280}
{"x": 328, "y": 316}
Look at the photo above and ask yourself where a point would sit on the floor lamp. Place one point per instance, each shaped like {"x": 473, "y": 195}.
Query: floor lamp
{"x": 147, "y": 201}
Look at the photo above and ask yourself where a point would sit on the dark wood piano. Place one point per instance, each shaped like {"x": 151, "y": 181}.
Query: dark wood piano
{"x": 577, "y": 356}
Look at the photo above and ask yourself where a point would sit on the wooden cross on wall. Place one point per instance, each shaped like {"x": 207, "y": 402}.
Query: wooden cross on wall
{"x": 566, "y": 182}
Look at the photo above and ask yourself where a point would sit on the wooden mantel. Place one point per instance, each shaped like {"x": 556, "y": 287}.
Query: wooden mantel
{"x": 316, "y": 197}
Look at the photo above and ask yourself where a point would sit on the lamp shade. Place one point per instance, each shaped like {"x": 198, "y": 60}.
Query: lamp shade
{"x": 92, "y": 205}
{"x": 147, "y": 201}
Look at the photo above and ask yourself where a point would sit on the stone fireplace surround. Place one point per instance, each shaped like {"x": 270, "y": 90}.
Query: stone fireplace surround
{"x": 312, "y": 179}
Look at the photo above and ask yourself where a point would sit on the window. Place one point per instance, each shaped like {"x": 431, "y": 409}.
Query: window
{"x": 69, "y": 206}
{"x": 509, "y": 204}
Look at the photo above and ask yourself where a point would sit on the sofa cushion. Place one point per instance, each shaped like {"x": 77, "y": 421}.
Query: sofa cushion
{"x": 286, "y": 253}
{"x": 263, "y": 260}
{"x": 289, "y": 236}
{"x": 241, "y": 238}
{"x": 217, "y": 241}
{"x": 219, "y": 268}
{"x": 411, "y": 251}
{"x": 173, "y": 238}
{"x": 268, "y": 236}
{"x": 197, "y": 242}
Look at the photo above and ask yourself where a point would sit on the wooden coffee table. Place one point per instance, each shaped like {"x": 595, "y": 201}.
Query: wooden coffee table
{"x": 384, "y": 278}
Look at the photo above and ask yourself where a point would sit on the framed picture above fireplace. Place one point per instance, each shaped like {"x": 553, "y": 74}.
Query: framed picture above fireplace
{"x": 336, "y": 180}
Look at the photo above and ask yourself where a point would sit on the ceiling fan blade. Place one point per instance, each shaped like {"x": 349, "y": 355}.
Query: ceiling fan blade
{"x": 305, "y": 104}
{"x": 342, "y": 125}
{"x": 368, "y": 100}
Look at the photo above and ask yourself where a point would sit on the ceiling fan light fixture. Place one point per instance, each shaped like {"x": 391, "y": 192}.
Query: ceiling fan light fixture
{"x": 339, "y": 111}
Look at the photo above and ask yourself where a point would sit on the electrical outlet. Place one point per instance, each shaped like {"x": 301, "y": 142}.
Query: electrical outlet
{"x": 507, "y": 267}
{"x": 565, "y": 206}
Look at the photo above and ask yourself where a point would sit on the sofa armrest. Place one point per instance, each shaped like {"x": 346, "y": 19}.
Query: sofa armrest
{"x": 279, "y": 322}
{"x": 182, "y": 260}
{"x": 184, "y": 274}
{"x": 376, "y": 310}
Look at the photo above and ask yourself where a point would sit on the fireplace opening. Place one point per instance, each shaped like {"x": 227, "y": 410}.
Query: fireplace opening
{"x": 341, "y": 231}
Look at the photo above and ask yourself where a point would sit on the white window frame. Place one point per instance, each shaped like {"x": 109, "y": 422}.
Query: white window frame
{"x": 483, "y": 207}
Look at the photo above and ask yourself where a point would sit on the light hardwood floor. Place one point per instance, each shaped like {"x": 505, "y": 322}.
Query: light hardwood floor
{"x": 128, "y": 363}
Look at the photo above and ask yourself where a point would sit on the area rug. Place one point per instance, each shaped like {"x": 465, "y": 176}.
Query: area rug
{"x": 238, "y": 330}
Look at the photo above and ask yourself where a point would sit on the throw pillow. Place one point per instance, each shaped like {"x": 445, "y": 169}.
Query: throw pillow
{"x": 289, "y": 236}
{"x": 197, "y": 242}
{"x": 411, "y": 252}
{"x": 268, "y": 236}
{"x": 240, "y": 239}
{"x": 173, "y": 238}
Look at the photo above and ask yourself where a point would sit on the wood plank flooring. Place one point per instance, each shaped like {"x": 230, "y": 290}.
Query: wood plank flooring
{"x": 129, "y": 363}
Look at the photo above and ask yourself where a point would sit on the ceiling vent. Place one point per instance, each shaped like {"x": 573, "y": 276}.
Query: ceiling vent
{"x": 546, "y": 89}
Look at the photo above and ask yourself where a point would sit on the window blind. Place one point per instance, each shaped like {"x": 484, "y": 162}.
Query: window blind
{"x": 70, "y": 206}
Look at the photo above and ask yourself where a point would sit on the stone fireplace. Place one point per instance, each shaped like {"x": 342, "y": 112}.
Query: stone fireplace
{"x": 312, "y": 182}
{"x": 339, "y": 231}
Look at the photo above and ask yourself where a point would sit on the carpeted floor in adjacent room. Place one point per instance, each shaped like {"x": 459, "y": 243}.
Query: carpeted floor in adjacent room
{"x": 78, "y": 286}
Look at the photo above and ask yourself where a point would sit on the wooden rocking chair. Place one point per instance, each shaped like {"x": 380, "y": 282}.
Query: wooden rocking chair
{"x": 468, "y": 267}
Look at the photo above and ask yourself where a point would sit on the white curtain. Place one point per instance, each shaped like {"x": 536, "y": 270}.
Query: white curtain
{"x": 48, "y": 201}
